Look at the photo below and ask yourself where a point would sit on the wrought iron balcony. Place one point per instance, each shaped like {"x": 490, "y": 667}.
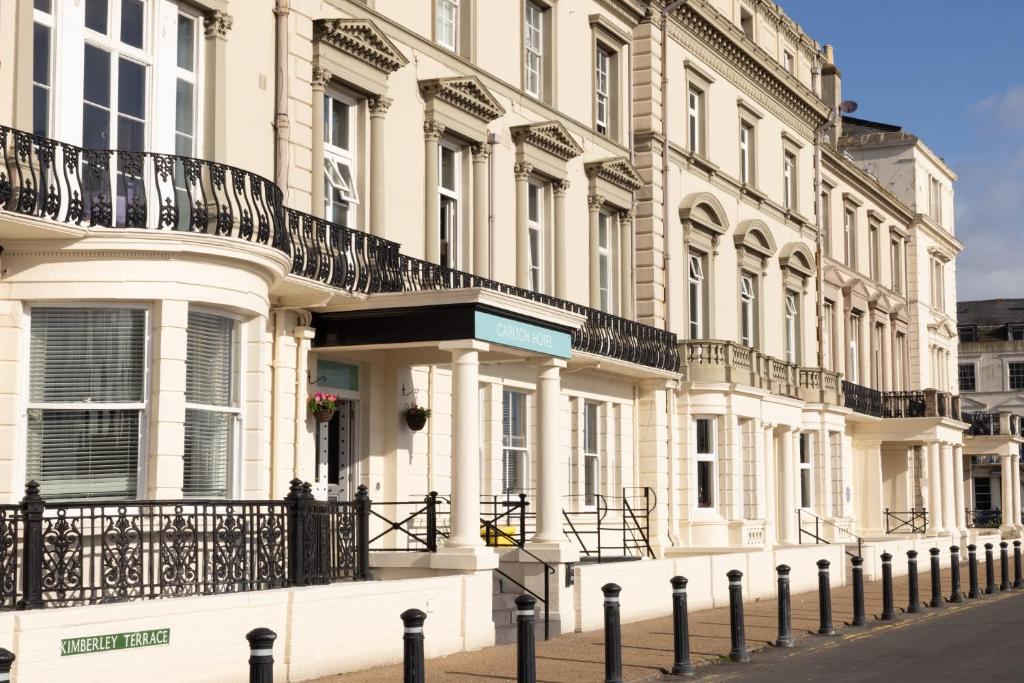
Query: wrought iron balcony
{"x": 993, "y": 424}
{"x": 900, "y": 404}
{"x": 67, "y": 184}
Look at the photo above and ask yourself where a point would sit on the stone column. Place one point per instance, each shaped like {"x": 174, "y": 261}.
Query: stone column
{"x": 522, "y": 172}
{"x": 840, "y": 343}
{"x": 948, "y": 487}
{"x": 594, "y": 204}
{"x": 786, "y": 486}
{"x": 1015, "y": 484}
{"x": 626, "y": 264}
{"x": 481, "y": 208}
{"x": 935, "y": 520}
{"x": 887, "y": 380}
{"x": 549, "y": 494}
{"x": 958, "y": 489}
{"x": 865, "y": 350}
{"x": 558, "y": 189}
{"x": 432, "y": 132}
{"x": 166, "y": 470}
{"x": 465, "y": 506}
{"x": 321, "y": 77}
{"x": 378, "y": 106}
{"x": 216, "y": 25}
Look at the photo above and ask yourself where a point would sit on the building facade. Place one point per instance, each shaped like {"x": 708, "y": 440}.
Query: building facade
{"x": 583, "y": 233}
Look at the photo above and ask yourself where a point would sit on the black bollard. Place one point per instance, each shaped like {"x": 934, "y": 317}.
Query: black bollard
{"x": 824, "y": 600}
{"x": 972, "y": 572}
{"x": 1018, "y": 580}
{"x": 858, "y": 592}
{"x": 738, "y": 653}
{"x": 785, "y": 638}
{"x": 680, "y": 629}
{"x": 888, "y": 612}
{"x": 526, "y": 655}
{"x": 937, "y": 600}
{"x": 261, "y": 655}
{"x": 1004, "y": 566}
{"x": 914, "y": 603}
{"x": 414, "y": 667}
{"x": 612, "y": 634}
{"x": 6, "y": 662}
{"x": 990, "y": 571}
{"x": 954, "y": 574}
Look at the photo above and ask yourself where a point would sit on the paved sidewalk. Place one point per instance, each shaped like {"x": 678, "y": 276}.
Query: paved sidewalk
{"x": 647, "y": 645}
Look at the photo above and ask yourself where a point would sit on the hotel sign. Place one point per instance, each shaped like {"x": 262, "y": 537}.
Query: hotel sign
{"x": 114, "y": 641}
{"x": 521, "y": 335}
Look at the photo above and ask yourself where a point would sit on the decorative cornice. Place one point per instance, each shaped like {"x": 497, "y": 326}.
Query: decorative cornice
{"x": 362, "y": 39}
{"x": 560, "y": 187}
{"x": 321, "y": 77}
{"x": 617, "y": 171}
{"x": 378, "y": 104}
{"x": 217, "y": 24}
{"x": 480, "y": 151}
{"x": 467, "y": 93}
{"x": 773, "y": 14}
{"x": 522, "y": 170}
{"x": 550, "y": 136}
{"x": 432, "y": 130}
{"x": 595, "y": 202}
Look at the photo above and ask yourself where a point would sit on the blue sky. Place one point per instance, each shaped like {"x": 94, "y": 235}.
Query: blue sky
{"x": 953, "y": 74}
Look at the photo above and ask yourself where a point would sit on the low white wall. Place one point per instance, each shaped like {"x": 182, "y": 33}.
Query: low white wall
{"x": 647, "y": 593}
{"x": 321, "y": 630}
{"x": 897, "y": 546}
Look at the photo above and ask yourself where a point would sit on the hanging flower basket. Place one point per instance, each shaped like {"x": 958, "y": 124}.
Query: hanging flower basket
{"x": 322, "y": 406}
{"x": 416, "y": 417}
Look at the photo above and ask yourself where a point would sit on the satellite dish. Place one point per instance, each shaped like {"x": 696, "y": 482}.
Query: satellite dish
{"x": 847, "y": 107}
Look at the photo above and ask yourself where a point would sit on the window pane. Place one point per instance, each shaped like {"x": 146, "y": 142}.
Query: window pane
{"x": 95, "y": 127}
{"x": 704, "y": 436}
{"x": 96, "y": 15}
{"x": 43, "y": 5}
{"x": 805, "y": 488}
{"x": 448, "y": 168}
{"x": 131, "y": 88}
{"x": 209, "y": 367}
{"x": 84, "y": 453}
{"x": 513, "y": 419}
{"x": 132, "y": 22}
{"x": 705, "y": 484}
{"x": 590, "y": 481}
{"x": 40, "y": 110}
{"x": 534, "y": 201}
{"x": 208, "y": 447}
{"x": 41, "y": 54}
{"x": 590, "y": 428}
{"x": 87, "y": 354}
{"x": 131, "y": 134}
{"x": 339, "y": 124}
{"x": 186, "y": 42}
{"x": 96, "y": 81}
{"x": 184, "y": 108}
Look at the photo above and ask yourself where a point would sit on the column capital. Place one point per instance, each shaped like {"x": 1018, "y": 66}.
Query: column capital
{"x": 321, "y": 77}
{"x": 481, "y": 152}
{"x": 464, "y": 345}
{"x": 626, "y": 216}
{"x": 552, "y": 364}
{"x": 522, "y": 170}
{"x": 560, "y": 187}
{"x": 432, "y": 130}
{"x": 378, "y": 105}
{"x": 595, "y": 202}
{"x": 216, "y": 24}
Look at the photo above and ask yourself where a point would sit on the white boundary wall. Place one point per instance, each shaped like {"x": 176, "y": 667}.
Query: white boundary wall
{"x": 321, "y": 630}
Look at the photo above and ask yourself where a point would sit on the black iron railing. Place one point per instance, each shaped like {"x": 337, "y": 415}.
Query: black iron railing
{"x": 614, "y": 527}
{"x": 984, "y": 519}
{"x": 413, "y": 526}
{"x": 982, "y": 424}
{"x": 863, "y": 399}
{"x": 510, "y": 513}
{"x": 120, "y": 189}
{"x": 910, "y": 522}
{"x": 97, "y": 552}
{"x": 839, "y": 534}
{"x": 904, "y": 403}
{"x": 900, "y": 404}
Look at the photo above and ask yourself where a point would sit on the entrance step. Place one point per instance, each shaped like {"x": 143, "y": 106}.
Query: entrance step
{"x": 503, "y": 613}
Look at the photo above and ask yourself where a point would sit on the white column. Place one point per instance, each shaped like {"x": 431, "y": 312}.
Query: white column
{"x": 1006, "y": 504}
{"x": 522, "y": 171}
{"x": 958, "y": 485}
{"x": 432, "y": 132}
{"x": 378, "y": 106}
{"x": 561, "y": 260}
{"x": 465, "y": 509}
{"x": 934, "y": 489}
{"x": 840, "y": 339}
{"x": 886, "y": 374}
{"x": 321, "y": 77}
{"x": 549, "y": 499}
{"x": 626, "y": 264}
{"x": 787, "y": 476}
{"x": 594, "y": 203}
{"x": 481, "y": 209}
{"x": 166, "y": 466}
{"x": 948, "y": 487}
{"x": 1015, "y": 483}
{"x": 864, "y": 349}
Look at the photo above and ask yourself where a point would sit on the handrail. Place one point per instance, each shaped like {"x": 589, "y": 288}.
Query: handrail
{"x": 816, "y": 534}
{"x": 631, "y": 524}
{"x": 983, "y": 519}
{"x": 913, "y": 521}
{"x": 548, "y": 571}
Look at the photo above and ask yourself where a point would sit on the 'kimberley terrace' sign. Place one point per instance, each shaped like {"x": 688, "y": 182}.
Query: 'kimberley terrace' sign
{"x": 114, "y": 641}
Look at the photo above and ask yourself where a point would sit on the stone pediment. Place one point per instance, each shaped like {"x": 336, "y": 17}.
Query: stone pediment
{"x": 944, "y": 328}
{"x": 797, "y": 257}
{"x": 550, "y": 136}
{"x": 755, "y": 236}
{"x": 362, "y": 39}
{"x": 616, "y": 170}
{"x": 703, "y": 210}
{"x": 467, "y": 93}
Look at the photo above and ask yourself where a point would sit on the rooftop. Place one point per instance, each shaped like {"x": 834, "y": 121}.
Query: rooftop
{"x": 991, "y": 312}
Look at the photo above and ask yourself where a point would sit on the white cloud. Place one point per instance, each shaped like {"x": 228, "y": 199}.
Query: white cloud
{"x": 1004, "y": 109}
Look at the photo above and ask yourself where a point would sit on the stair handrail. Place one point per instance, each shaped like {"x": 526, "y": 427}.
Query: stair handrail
{"x": 816, "y": 534}
{"x": 548, "y": 571}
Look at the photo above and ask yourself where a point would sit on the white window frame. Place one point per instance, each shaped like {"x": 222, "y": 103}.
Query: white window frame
{"x": 694, "y": 118}
{"x": 935, "y": 198}
{"x": 448, "y": 20}
{"x": 895, "y": 256}
{"x": 805, "y": 468}
{"x": 710, "y": 457}
{"x": 535, "y": 228}
{"x": 340, "y": 168}
{"x": 938, "y": 284}
{"x": 850, "y": 237}
{"x": 533, "y": 49}
{"x": 606, "y": 272}
{"x": 194, "y": 78}
{"x": 748, "y": 296}
{"x": 899, "y": 361}
{"x": 789, "y": 61}
{"x": 789, "y": 180}
{"x": 521, "y": 453}
{"x": 46, "y": 20}
{"x": 1008, "y": 362}
{"x": 874, "y": 252}
{"x": 452, "y": 199}
{"x": 234, "y": 486}
{"x": 143, "y": 407}
{"x": 746, "y": 153}
{"x": 826, "y": 335}
{"x": 603, "y": 61}
{"x": 792, "y": 313}
{"x": 853, "y": 371}
{"x": 696, "y": 303}
{"x": 825, "y": 207}
{"x": 592, "y": 453}
{"x": 974, "y": 375}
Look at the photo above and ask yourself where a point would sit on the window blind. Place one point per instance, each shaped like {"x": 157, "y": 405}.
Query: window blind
{"x": 209, "y": 419}
{"x": 81, "y": 361}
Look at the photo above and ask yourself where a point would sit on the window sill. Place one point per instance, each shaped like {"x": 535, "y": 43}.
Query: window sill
{"x": 702, "y": 162}
{"x": 751, "y": 191}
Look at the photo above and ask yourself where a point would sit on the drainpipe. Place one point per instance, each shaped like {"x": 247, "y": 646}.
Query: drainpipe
{"x": 493, "y": 140}
{"x": 282, "y": 8}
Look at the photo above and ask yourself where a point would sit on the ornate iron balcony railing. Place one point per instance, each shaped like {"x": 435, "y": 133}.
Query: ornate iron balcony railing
{"x": 68, "y": 184}
{"x": 900, "y": 404}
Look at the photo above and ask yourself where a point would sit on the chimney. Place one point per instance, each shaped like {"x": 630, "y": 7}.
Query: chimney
{"x": 832, "y": 90}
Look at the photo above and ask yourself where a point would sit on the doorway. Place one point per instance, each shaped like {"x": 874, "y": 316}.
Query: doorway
{"x": 337, "y": 458}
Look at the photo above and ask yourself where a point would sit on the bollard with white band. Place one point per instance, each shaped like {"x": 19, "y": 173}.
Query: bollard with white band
{"x": 936, "y": 600}
{"x": 1004, "y": 567}
{"x": 414, "y": 670}
{"x": 888, "y": 613}
{"x": 6, "y": 662}
{"x": 914, "y": 602}
{"x": 954, "y": 574}
{"x": 990, "y": 571}
{"x": 680, "y": 629}
{"x": 526, "y": 654}
{"x": 1018, "y": 580}
{"x": 858, "y": 591}
{"x": 825, "y": 627}
{"x": 612, "y": 634}
{"x": 785, "y": 638}
{"x": 261, "y": 655}
{"x": 972, "y": 572}
{"x": 738, "y": 651}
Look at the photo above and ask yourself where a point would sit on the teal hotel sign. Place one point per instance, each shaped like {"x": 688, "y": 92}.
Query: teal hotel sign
{"x": 522, "y": 335}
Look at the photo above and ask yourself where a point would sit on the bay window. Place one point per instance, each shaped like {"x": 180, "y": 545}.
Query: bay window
{"x": 87, "y": 401}
{"x": 514, "y": 455}
{"x": 339, "y": 159}
{"x": 747, "y": 335}
{"x": 211, "y": 405}
{"x": 705, "y": 451}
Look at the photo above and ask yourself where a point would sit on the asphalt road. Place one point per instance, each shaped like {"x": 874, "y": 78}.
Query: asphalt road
{"x": 982, "y": 641}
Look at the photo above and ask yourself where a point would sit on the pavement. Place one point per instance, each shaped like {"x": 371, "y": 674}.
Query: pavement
{"x": 647, "y": 645}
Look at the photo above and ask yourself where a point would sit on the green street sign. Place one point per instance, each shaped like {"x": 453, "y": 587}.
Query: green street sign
{"x": 114, "y": 641}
